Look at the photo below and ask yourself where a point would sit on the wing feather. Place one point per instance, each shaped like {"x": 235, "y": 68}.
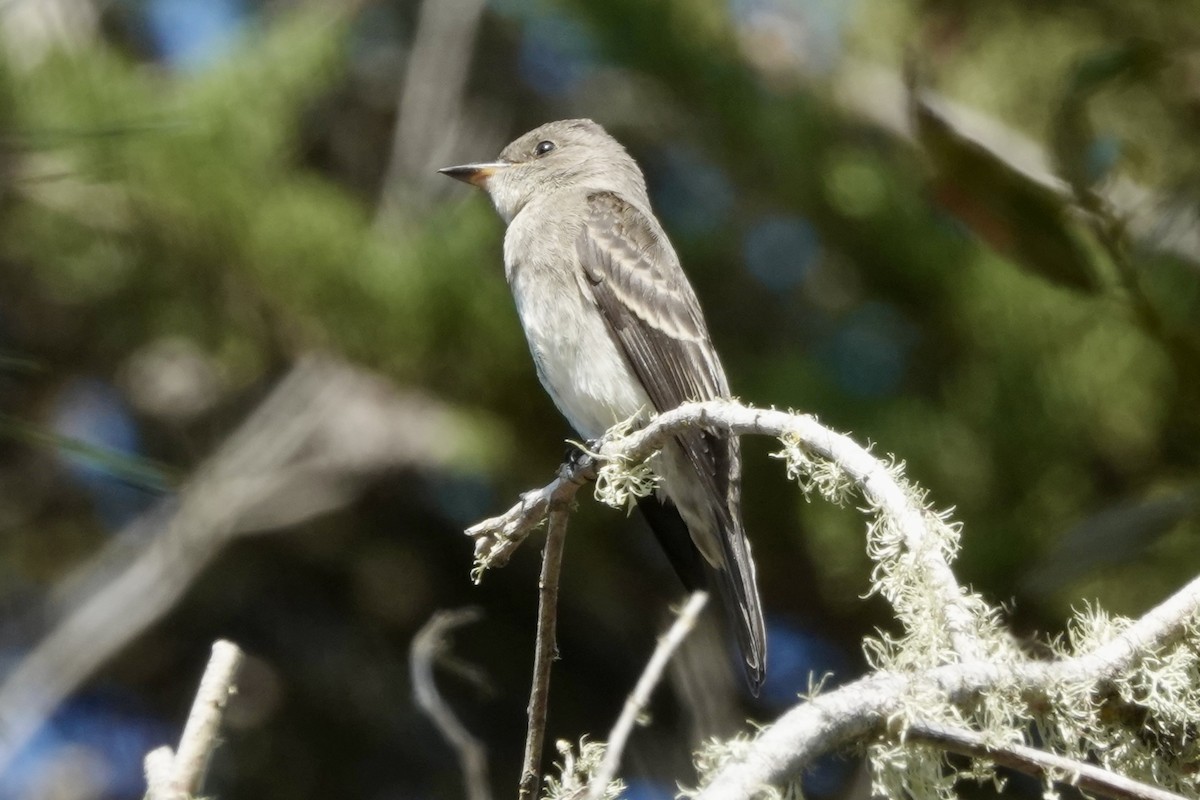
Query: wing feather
{"x": 652, "y": 312}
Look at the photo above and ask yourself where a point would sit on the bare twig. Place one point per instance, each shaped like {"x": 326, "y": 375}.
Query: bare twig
{"x": 546, "y": 649}
{"x": 1039, "y": 763}
{"x": 640, "y": 696}
{"x": 181, "y": 776}
{"x": 860, "y": 708}
{"x": 497, "y": 538}
{"x": 430, "y": 643}
{"x": 200, "y": 734}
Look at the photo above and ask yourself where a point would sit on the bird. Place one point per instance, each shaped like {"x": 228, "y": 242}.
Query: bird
{"x": 616, "y": 333}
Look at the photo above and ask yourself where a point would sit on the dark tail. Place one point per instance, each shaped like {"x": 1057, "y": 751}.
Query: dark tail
{"x": 672, "y": 534}
{"x": 737, "y": 583}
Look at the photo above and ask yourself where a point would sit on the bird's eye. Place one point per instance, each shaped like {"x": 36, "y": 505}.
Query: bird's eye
{"x": 543, "y": 148}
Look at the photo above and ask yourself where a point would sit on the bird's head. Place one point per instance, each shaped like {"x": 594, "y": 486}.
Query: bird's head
{"x": 567, "y": 154}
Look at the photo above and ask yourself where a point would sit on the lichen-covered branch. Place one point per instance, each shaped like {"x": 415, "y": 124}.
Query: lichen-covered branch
{"x": 954, "y": 665}
{"x": 825, "y": 461}
{"x": 874, "y": 706}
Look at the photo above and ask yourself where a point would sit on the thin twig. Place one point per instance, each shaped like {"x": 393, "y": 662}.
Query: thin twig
{"x": 497, "y": 538}
{"x": 640, "y": 696}
{"x": 428, "y": 645}
{"x": 546, "y": 650}
{"x": 178, "y": 776}
{"x": 1039, "y": 763}
{"x": 200, "y": 734}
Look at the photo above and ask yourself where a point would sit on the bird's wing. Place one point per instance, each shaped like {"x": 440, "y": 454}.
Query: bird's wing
{"x": 631, "y": 271}
{"x": 634, "y": 276}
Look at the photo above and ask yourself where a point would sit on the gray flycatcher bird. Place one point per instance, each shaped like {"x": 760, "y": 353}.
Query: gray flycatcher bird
{"x": 616, "y": 331}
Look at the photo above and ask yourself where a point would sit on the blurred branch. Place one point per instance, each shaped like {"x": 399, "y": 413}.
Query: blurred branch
{"x": 323, "y": 431}
{"x": 430, "y": 118}
{"x": 863, "y": 708}
{"x": 180, "y": 776}
{"x": 640, "y": 696}
{"x": 431, "y": 643}
{"x": 33, "y": 28}
{"x": 546, "y": 647}
{"x": 1038, "y": 763}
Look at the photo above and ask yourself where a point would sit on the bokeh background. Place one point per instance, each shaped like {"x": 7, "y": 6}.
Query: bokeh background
{"x": 259, "y": 366}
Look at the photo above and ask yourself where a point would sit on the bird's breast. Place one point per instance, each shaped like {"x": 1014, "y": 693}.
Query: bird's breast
{"x": 578, "y": 362}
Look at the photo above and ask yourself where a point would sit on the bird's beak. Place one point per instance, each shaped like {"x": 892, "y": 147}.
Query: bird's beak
{"x": 474, "y": 174}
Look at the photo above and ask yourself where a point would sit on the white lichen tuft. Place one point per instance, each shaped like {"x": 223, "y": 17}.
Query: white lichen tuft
{"x": 714, "y": 754}
{"x": 620, "y": 482}
{"x": 908, "y": 541}
{"x": 815, "y": 475}
{"x": 487, "y": 551}
{"x": 1140, "y": 723}
{"x": 575, "y": 772}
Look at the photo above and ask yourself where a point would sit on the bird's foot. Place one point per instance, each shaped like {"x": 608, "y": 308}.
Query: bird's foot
{"x": 579, "y": 460}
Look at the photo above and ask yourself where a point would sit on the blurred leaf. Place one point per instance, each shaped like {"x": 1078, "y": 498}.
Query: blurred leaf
{"x": 1112, "y": 536}
{"x": 1072, "y": 135}
{"x": 1015, "y": 214}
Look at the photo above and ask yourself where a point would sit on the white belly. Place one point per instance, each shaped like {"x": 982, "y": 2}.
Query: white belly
{"x": 577, "y": 360}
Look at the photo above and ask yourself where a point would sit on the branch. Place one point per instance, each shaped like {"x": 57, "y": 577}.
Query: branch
{"x": 496, "y": 538}
{"x": 430, "y": 118}
{"x": 873, "y": 477}
{"x": 430, "y": 643}
{"x": 546, "y": 647}
{"x": 1164, "y": 223}
{"x": 863, "y": 707}
{"x": 640, "y": 696}
{"x": 1038, "y": 763}
{"x": 181, "y": 776}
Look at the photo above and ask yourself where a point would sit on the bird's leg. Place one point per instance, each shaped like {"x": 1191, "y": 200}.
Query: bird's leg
{"x": 578, "y": 461}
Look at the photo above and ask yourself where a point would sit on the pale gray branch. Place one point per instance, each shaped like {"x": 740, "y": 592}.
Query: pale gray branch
{"x": 430, "y": 118}
{"x": 428, "y": 645}
{"x": 180, "y": 776}
{"x": 496, "y": 538}
{"x": 640, "y": 696}
{"x": 858, "y": 709}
